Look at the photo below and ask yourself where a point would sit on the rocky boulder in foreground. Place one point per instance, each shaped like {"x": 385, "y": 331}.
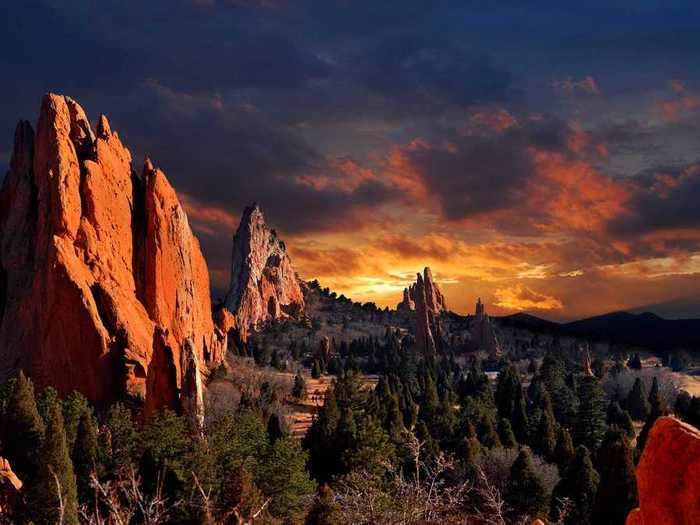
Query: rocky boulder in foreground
{"x": 103, "y": 287}
{"x": 668, "y": 476}
{"x": 264, "y": 285}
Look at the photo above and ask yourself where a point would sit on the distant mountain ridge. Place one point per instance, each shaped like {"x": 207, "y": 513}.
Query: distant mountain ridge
{"x": 644, "y": 329}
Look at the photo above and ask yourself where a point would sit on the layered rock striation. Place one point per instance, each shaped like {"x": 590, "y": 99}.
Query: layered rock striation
{"x": 103, "y": 287}
{"x": 264, "y": 285}
{"x": 668, "y": 476}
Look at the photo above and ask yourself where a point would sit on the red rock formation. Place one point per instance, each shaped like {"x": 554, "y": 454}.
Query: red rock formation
{"x": 407, "y": 304}
{"x": 102, "y": 282}
{"x": 10, "y": 487}
{"x": 587, "y": 363}
{"x": 424, "y": 319}
{"x": 483, "y": 334}
{"x": 434, "y": 300}
{"x": 264, "y": 285}
{"x": 668, "y": 476}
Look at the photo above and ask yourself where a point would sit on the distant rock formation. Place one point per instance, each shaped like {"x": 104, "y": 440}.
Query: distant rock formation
{"x": 483, "y": 334}
{"x": 103, "y": 287}
{"x": 668, "y": 476}
{"x": 427, "y": 302}
{"x": 434, "y": 300}
{"x": 264, "y": 285}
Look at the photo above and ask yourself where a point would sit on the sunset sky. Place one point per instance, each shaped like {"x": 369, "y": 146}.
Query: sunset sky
{"x": 543, "y": 157}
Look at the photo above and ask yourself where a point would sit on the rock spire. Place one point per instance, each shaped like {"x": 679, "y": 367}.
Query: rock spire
{"x": 103, "y": 287}
{"x": 264, "y": 285}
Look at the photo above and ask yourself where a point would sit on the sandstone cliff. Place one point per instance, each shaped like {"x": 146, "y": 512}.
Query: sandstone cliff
{"x": 103, "y": 287}
{"x": 264, "y": 285}
{"x": 668, "y": 476}
{"x": 425, "y": 298}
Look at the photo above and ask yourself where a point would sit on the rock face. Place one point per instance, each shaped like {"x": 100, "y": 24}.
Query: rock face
{"x": 103, "y": 287}
{"x": 10, "y": 487}
{"x": 428, "y": 303}
{"x": 668, "y": 476}
{"x": 483, "y": 334}
{"x": 264, "y": 285}
{"x": 434, "y": 300}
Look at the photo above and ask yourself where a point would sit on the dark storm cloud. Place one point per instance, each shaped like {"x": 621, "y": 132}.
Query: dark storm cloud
{"x": 487, "y": 171}
{"x": 666, "y": 198}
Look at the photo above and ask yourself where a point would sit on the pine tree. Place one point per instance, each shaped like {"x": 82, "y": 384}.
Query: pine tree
{"x": 274, "y": 428}
{"x": 85, "y": 456}
{"x": 579, "y": 485}
{"x": 487, "y": 434}
{"x": 564, "y": 450}
{"x": 657, "y": 409}
{"x": 617, "y": 491}
{"x": 589, "y": 426}
{"x": 636, "y": 403}
{"x": 508, "y": 390}
{"x": 23, "y": 430}
{"x": 519, "y": 419}
{"x": 525, "y": 492}
{"x": 544, "y": 439}
{"x": 55, "y": 470}
{"x": 74, "y": 406}
{"x": 299, "y": 388}
{"x": 325, "y": 510}
{"x": 505, "y": 434}
{"x": 240, "y": 493}
{"x": 122, "y": 439}
{"x": 620, "y": 419}
{"x": 316, "y": 370}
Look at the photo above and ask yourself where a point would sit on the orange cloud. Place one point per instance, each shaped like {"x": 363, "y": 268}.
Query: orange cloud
{"x": 520, "y": 297}
{"x": 573, "y": 195}
{"x": 207, "y": 219}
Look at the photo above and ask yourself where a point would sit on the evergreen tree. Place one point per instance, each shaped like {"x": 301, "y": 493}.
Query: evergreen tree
{"x": 589, "y": 426}
{"x": 74, "y": 406}
{"x": 519, "y": 419}
{"x": 620, "y": 419}
{"x": 430, "y": 448}
{"x": 324, "y": 460}
{"x": 240, "y": 493}
{"x": 55, "y": 470}
{"x": 23, "y": 430}
{"x": 85, "y": 457}
{"x": 508, "y": 390}
{"x": 316, "y": 370}
{"x": 274, "y": 428}
{"x": 487, "y": 434}
{"x": 637, "y": 404}
{"x": 617, "y": 491}
{"x": 299, "y": 388}
{"x": 373, "y": 448}
{"x": 564, "y": 450}
{"x": 525, "y": 492}
{"x": 544, "y": 439}
{"x": 325, "y": 510}
{"x": 505, "y": 434}
{"x": 282, "y": 475}
{"x": 579, "y": 485}
{"x": 657, "y": 409}
{"x": 123, "y": 439}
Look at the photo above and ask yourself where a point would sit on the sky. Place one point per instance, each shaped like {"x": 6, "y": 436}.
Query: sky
{"x": 544, "y": 156}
